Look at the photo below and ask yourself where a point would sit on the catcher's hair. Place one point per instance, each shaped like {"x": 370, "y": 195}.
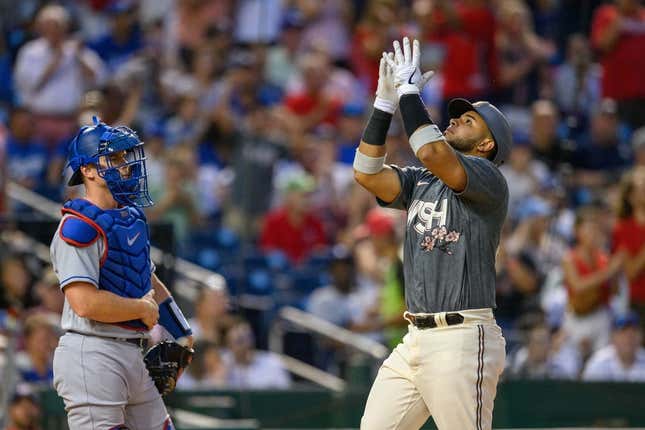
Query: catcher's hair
{"x": 624, "y": 207}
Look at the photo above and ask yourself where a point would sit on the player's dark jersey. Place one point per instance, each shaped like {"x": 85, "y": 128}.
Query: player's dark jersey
{"x": 451, "y": 238}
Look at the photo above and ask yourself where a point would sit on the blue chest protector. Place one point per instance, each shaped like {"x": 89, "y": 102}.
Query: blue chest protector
{"x": 125, "y": 263}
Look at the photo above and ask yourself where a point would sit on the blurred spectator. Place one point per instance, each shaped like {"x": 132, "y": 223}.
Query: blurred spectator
{"x": 27, "y": 157}
{"x": 523, "y": 56}
{"x": 548, "y": 146}
{"x": 523, "y": 173}
{"x": 177, "y": 203}
{"x": 293, "y": 228}
{"x": 517, "y": 287}
{"x": 50, "y": 297}
{"x": 543, "y": 358}
{"x": 350, "y": 130}
{"x": 334, "y": 180}
{"x": 212, "y": 311}
{"x": 629, "y": 235}
{"x": 249, "y": 368}
{"x": 24, "y": 412}
{"x": 535, "y": 237}
{"x": 338, "y": 302}
{"x": 604, "y": 149}
{"x": 380, "y": 254}
{"x": 370, "y": 39}
{"x": 577, "y": 81}
{"x": 16, "y": 284}
{"x": 206, "y": 371}
{"x": 184, "y": 127}
{"x": 590, "y": 279}
{"x": 255, "y": 157}
{"x": 618, "y": 34}
{"x": 326, "y": 26}
{"x": 461, "y": 38}
{"x": 124, "y": 38}
{"x": 624, "y": 359}
{"x": 258, "y": 21}
{"x": 187, "y": 27}
{"x": 314, "y": 103}
{"x": 638, "y": 147}
{"x": 40, "y": 339}
{"x": 52, "y": 73}
{"x": 282, "y": 59}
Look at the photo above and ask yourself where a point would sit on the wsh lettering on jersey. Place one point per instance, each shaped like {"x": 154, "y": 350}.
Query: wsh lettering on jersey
{"x": 430, "y": 222}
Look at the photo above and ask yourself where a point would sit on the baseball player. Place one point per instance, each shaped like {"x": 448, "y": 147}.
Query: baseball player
{"x": 101, "y": 255}
{"x": 450, "y": 360}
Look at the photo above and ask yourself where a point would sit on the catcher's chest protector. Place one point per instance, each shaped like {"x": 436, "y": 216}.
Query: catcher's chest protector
{"x": 125, "y": 264}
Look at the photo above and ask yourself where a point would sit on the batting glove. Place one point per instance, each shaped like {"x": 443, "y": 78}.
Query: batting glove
{"x": 407, "y": 75}
{"x": 386, "y": 96}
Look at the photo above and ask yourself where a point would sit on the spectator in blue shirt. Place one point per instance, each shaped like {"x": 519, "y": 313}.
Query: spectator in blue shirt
{"x": 124, "y": 38}
{"x": 26, "y": 156}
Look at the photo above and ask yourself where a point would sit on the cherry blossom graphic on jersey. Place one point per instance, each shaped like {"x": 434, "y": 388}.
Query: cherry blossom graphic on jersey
{"x": 440, "y": 238}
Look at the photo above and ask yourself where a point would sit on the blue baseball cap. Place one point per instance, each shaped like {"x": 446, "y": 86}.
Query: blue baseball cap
{"x": 629, "y": 319}
{"x": 494, "y": 119}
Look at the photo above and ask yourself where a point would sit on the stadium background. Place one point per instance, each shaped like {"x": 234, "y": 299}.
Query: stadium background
{"x": 251, "y": 111}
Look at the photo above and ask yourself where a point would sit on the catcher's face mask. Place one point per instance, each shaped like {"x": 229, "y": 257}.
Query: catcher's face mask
{"x": 123, "y": 167}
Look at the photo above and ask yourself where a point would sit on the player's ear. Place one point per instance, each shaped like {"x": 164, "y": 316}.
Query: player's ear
{"x": 88, "y": 171}
{"x": 486, "y": 146}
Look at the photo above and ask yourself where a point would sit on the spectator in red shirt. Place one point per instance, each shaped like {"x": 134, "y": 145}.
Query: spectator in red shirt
{"x": 369, "y": 40}
{"x": 462, "y": 34}
{"x": 292, "y": 228}
{"x": 629, "y": 235}
{"x": 315, "y": 103}
{"x": 589, "y": 277}
{"x": 618, "y": 34}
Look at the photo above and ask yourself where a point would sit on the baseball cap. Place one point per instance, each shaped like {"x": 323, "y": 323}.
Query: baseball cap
{"x": 494, "y": 119}
{"x": 377, "y": 223}
{"x": 299, "y": 182}
{"x": 629, "y": 319}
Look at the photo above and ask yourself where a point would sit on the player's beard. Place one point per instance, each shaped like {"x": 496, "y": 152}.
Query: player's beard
{"x": 462, "y": 144}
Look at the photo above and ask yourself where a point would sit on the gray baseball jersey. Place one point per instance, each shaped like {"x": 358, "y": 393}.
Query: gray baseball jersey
{"x": 451, "y": 238}
{"x": 75, "y": 264}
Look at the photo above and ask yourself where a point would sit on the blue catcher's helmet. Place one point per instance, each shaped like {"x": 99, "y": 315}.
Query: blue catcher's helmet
{"x": 99, "y": 141}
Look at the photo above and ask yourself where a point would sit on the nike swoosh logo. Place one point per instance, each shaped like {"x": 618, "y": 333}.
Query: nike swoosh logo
{"x": 132, "y": 239}
{"x": 410, "y": 78}
{"x": 423, "y": 183}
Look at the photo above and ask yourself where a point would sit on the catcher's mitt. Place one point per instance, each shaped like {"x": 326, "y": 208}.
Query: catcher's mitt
{"x": 165, "y": 362}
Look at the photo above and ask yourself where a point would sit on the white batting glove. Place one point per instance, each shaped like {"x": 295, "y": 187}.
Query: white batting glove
{"x": 386, "y": 96}
{"x": 408, "y": 78}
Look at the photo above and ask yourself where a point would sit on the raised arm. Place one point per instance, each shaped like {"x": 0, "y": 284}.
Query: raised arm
{"x": 426, "y": 140}
{"x": 370, "y": 170}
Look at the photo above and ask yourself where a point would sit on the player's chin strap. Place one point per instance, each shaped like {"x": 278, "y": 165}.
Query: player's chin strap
{"x": 173, "y": 320}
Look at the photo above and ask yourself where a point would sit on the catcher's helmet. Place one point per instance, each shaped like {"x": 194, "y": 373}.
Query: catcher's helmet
{"x": 100, "y": 140}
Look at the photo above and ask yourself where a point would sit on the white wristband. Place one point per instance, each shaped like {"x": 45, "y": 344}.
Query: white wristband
{"x": 425, "y": 135}
{"x": 404, "y": 89}
{"x": 368, "y": 165}
{"x": 384, "y": 105}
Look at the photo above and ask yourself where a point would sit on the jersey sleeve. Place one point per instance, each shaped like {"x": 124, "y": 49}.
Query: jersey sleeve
{"x": 408, "y": 178}
{"x": 485, "y": 184}
{"x": 75, "y": 263}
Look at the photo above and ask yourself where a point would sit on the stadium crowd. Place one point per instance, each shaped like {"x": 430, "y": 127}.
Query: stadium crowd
{"x": 251, "y": 111}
